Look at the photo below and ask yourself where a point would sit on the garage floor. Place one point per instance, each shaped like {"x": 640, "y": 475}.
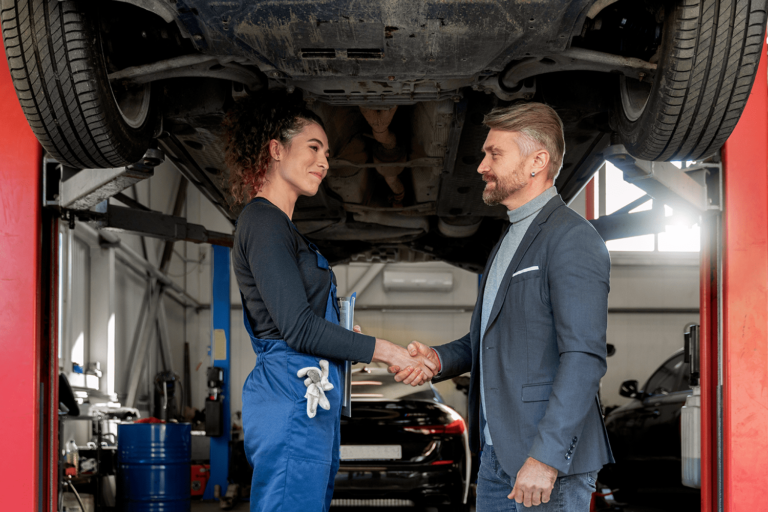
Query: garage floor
{"x": 650, "y": 502}
{"x": 243, "y": 507}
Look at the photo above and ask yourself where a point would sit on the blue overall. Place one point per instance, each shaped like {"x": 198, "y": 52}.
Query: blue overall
{"x": 295, "y": 458}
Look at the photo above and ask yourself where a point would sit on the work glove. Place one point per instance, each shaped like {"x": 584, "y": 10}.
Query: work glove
{"x": 317, "y": 384}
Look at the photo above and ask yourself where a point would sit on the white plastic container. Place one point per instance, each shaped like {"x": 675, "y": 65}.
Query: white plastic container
{"x": 690, "y": 433}
{"x": 72, "y": 454}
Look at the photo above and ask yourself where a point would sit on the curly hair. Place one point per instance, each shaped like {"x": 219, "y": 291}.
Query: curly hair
{"x": 249, "y": 126}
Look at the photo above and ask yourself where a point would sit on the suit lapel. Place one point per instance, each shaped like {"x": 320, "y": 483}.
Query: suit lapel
{"x": 530, "y": 235}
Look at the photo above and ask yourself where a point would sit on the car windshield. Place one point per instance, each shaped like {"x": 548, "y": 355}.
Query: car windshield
{"x": 671, "y": 377}
{"x": 376, "y": 383}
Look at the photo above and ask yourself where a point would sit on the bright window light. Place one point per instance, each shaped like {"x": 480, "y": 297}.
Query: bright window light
{"x": 680, "y": 239}
{"x": 681, "y": 235}
{"x": 643, "y": 243}
{"x": 620, "y": 193}
{"x": 78, "y": 349}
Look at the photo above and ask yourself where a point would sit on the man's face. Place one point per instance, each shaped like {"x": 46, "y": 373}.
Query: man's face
{"x": 503, "y": 169}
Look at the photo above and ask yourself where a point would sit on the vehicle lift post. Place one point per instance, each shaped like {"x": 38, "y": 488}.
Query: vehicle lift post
{"x": 734, "y": 320}
{"x": 220, "y": 357}
{"x": 29, "y": 363}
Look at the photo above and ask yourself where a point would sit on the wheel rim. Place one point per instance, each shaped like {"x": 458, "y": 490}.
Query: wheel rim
{"x": 132, "y": 102}
{"x": 634, "y": 97}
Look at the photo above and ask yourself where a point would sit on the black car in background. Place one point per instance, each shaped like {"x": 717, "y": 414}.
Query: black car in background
{"x": 645, "y": 433}
{"x": 403, "y": 446}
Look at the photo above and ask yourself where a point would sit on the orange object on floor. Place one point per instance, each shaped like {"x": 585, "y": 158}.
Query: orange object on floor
{"x": 200, "y": 475}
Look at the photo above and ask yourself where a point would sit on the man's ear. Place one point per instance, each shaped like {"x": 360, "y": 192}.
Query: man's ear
{"x": 540, "y": 161}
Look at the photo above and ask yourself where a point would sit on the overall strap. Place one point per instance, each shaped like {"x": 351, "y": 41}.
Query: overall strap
{"x": 322, "y": 262}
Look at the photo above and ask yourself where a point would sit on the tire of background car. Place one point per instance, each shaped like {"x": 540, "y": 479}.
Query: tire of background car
{"x": 58, "y": 67}
{"x": 707, "y": 63}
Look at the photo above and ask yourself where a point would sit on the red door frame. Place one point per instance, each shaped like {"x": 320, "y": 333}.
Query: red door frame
{"x": 27, "y": 379}
{"x": 745, "y": 305}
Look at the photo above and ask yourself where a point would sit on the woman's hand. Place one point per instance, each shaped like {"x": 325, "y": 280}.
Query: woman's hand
{"x": 423, "y": 369}
{"x": 415, "y": 348}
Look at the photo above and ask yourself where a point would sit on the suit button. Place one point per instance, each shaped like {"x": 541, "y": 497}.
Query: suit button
{"x": 575, "y": 439}
{"x": 567, "y": 457}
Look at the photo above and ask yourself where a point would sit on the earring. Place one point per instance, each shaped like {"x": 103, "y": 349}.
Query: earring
{"x": 533, "y": 174}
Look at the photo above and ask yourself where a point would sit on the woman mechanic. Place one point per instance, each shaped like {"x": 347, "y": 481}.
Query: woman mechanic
{"x": 277, "y": 150}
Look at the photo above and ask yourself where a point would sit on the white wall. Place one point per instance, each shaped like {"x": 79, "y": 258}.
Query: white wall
{"x": 645, "y": 340}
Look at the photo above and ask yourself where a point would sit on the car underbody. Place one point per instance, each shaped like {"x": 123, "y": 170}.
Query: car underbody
{"x": 402, "y": 87}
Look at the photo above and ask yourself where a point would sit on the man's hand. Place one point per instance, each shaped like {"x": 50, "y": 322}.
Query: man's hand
{"x": 407, "y": 375}
{"x": 421, "y": 369}
{"x": 534, "y": 483}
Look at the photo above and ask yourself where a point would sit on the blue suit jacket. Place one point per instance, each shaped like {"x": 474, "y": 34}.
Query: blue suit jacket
{"x": 544, "y": 348}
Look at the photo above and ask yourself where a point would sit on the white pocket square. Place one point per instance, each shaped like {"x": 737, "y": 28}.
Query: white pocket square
{"x": 529, "y": 269}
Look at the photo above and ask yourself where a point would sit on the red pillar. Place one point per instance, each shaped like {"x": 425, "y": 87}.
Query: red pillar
{"x": 20, "y": 303}
{"x": 589, "y": 196}
{"x": 745, "y": 306}
{"x": 708, "y": 314}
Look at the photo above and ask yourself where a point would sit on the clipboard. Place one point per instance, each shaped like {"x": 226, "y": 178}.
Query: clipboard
{"x": 347, "y": 320}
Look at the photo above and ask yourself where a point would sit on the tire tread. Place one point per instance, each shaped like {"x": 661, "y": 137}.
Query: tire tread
{"x": 51, "y": 63}
{"x": 703, "y": 92}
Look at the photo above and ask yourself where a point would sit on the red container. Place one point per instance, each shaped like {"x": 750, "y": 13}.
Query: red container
{"x": 200, "y": 475}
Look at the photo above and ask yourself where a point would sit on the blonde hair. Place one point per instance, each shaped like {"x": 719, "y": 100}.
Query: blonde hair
{"x": 538, "y": 127}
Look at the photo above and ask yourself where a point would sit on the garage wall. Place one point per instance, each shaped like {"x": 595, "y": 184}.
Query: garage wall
{"x": 665, "y": 282}
{"x": 190, "y": 269}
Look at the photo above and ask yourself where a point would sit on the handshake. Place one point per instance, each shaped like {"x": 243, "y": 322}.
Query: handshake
{"x": 413, "y": 365}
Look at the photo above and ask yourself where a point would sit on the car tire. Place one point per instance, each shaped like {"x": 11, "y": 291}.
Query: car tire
{"x": 59, "y": 72}
{"x": 708, "y": 59}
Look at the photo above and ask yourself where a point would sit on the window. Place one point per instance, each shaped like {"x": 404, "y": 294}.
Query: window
{"x": 680, "y": 234}
{"x": 669, "y": 378}
{"x": 74, "y": 303}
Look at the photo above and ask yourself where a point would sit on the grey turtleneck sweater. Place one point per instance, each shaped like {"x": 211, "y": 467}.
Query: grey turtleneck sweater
{"x": 520, "y": 220}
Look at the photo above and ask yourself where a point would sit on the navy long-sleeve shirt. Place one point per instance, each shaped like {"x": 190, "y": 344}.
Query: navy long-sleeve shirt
{"x": 285, "y": 291}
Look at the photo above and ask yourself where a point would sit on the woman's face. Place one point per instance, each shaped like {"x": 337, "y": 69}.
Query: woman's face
{"x": 304, "y": 163}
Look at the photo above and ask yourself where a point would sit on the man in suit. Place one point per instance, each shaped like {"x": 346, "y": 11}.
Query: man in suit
{"x": 536, "y": 346}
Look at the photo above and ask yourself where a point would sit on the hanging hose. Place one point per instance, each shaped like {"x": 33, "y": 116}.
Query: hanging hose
{"x": 77, "y": 496}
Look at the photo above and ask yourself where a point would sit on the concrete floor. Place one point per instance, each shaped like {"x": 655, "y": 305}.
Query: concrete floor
{"x": 652, "y": 502}
{"x": 243, "y": 507}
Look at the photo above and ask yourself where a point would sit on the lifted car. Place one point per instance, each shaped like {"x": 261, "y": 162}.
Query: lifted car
{"x": 102, "y": 81}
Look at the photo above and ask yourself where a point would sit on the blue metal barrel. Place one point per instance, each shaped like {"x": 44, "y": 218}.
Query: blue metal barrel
{"x": 153, "y": 467}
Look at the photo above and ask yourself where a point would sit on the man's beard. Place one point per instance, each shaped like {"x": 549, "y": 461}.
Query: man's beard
{"x": 505, "y": 186}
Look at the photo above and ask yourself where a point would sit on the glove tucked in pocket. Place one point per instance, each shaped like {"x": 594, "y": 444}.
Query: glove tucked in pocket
{"x": 317, "y": 384}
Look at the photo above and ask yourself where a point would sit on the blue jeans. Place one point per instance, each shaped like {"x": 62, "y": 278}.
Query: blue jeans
{"x": 572, "y": 493}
